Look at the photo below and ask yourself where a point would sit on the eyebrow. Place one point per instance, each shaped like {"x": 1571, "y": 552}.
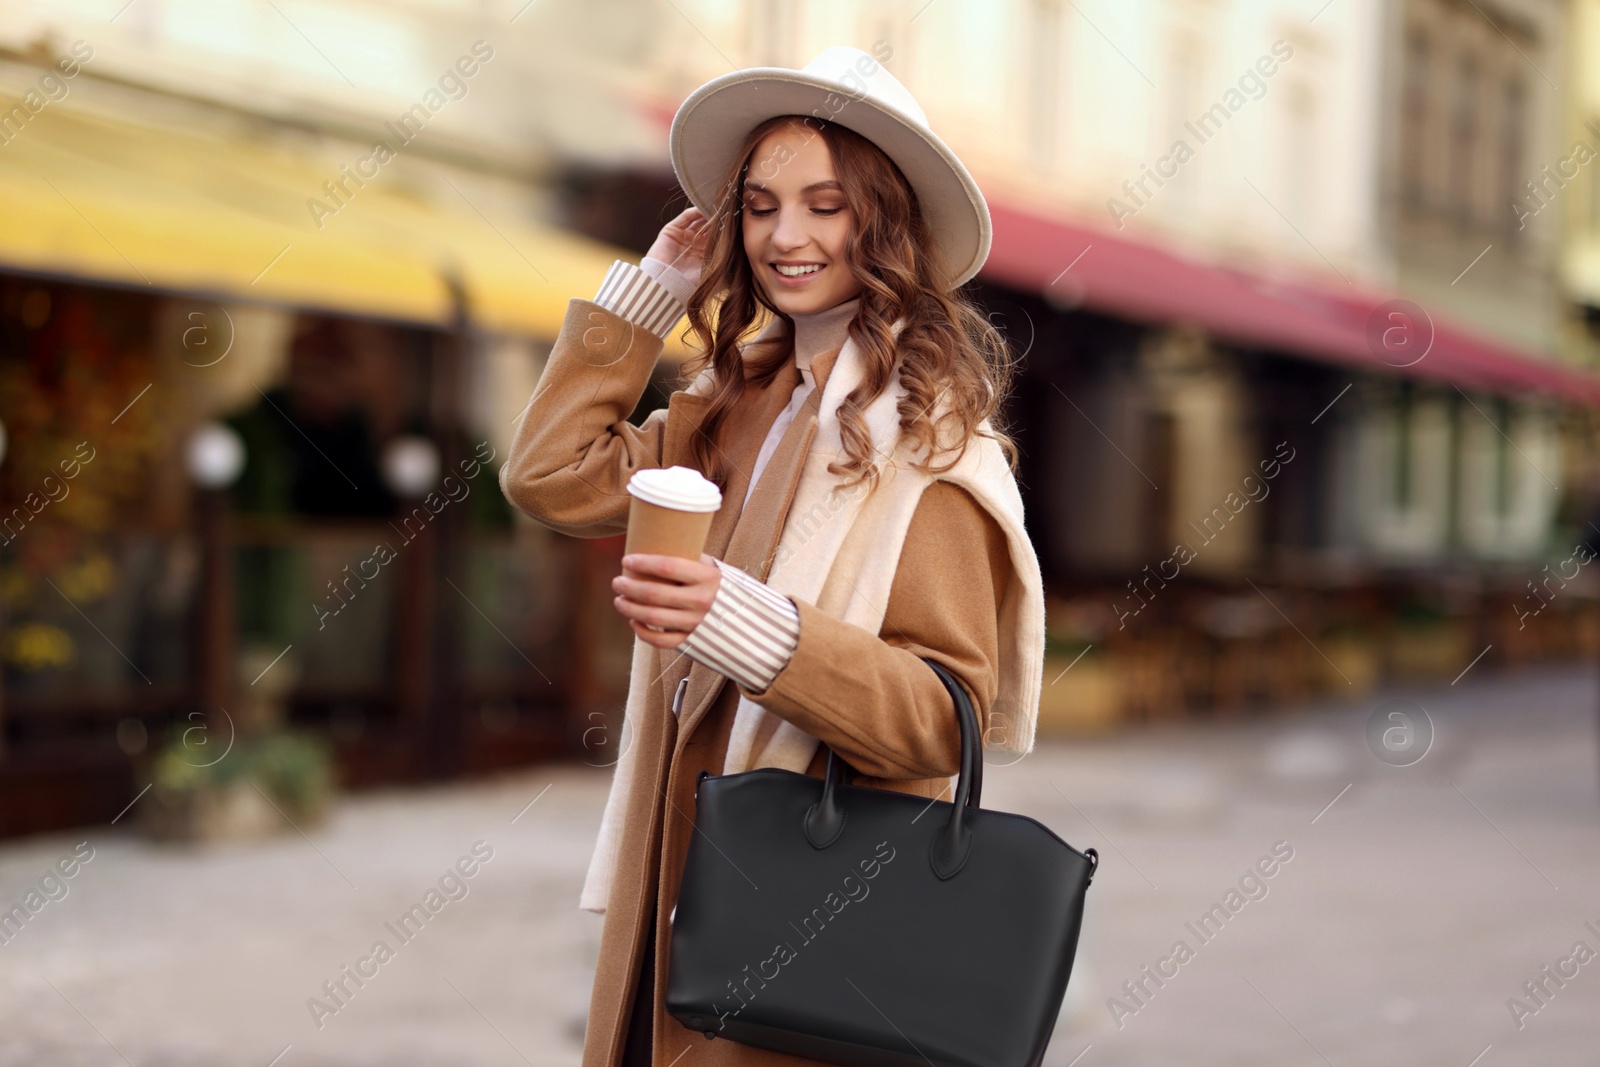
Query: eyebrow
{"x": 813, "y": 187}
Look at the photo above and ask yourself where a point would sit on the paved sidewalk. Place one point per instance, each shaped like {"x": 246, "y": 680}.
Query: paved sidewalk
{"x": 1416, "y": 903}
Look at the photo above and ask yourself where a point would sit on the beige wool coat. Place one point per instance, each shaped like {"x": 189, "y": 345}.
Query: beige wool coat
{"x": 570, "y": 459}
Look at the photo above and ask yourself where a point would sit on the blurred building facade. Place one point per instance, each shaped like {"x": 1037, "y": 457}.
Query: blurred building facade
{"x": 275, "y": 282}
{"x": 1303, "y": 301}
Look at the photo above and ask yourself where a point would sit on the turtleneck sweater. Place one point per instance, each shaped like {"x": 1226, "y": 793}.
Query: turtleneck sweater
{"x": 750, "y": 631}
{"x": 814, "y": 333}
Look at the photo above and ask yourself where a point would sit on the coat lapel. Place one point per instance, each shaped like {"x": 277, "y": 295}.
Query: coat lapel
{"x": 754, "y": 543}
{"x": 750, "y": 537}
{"x": 742, "y": 436}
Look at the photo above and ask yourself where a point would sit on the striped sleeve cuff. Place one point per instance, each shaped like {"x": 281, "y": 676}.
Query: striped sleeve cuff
{"x": 749, "y": 634}
{"x": 631, "y": 293}
{"x": 679, "y": 284}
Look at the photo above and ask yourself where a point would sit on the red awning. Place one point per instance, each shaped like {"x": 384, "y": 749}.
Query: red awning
{"x": 1114, "y": 275}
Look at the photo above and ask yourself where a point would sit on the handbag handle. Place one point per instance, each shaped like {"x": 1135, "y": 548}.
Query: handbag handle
{"x": 824, "y": 820}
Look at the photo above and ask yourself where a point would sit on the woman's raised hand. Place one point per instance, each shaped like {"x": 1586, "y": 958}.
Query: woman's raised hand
{"x": 682, "y": 243}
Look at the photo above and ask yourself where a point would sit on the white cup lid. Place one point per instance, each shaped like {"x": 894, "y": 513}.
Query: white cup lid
{"x": 678, "y": 488}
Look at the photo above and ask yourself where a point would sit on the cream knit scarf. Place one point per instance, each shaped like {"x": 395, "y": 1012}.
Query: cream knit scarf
{"x": 838, "y": 551}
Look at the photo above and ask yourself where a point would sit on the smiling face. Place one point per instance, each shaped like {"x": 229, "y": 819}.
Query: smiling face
{"x": 796, "y": 221}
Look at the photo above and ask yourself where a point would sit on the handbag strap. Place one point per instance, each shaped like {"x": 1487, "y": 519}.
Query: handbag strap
{"x": 965, "y": 714}
{"x": 824, "y": 820}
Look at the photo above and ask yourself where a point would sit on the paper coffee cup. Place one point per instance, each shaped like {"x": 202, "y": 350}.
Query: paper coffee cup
{"x": 671, "y": 512}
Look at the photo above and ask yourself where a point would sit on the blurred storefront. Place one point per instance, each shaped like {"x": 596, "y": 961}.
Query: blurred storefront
{"x": 1326, "y": 432}
{"x": 1242, "y": 495}
{"x": 252, "y": 457}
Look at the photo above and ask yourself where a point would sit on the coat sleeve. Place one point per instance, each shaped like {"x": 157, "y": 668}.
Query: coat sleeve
{"x": 869, "y": 696}
{"x": 573, "y": 450}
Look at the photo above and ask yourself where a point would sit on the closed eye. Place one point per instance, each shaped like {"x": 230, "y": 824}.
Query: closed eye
{"x": 762, "y": 213}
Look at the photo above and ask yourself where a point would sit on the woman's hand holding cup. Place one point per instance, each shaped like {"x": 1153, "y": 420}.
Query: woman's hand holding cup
{"x": 665, "y": 597}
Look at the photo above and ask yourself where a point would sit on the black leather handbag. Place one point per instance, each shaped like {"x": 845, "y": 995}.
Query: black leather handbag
{"x": 871, "y": 927}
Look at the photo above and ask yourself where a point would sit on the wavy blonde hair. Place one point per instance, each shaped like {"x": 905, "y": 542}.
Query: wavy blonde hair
{"x": 946, "y": 345}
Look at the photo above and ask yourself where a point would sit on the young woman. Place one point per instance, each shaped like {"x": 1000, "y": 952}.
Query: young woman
{"x": 870, "y": 515}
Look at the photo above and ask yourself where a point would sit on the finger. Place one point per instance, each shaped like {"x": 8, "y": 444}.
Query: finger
{"x": 666, "y": 618}
{"x": 690, "y": 604}
{"x": 672, "y": 568}
{"x": 645, "y": 633}
{"x": 659, "y": 639}
{"x": 693, "y": 597}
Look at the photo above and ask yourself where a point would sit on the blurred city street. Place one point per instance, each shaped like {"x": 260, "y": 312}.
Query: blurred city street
{"x": 1409, "y": 906}
{"x": 312, "y": 665}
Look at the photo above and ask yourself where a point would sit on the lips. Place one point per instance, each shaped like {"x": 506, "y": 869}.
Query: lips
{"x": 796, "y": 280}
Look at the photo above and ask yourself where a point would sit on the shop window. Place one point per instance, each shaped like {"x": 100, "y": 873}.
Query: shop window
{"x": 1510, "y": 477}
{"x": 1500, "y": 470}
{"x": 1408, "y": 488}
{"x": 95, "y": 587}
{"x": 1405, "y": 432}
{"x": 311, "y": 440}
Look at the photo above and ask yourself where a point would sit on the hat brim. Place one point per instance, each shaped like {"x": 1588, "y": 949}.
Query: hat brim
{"x": 712, "y": 122}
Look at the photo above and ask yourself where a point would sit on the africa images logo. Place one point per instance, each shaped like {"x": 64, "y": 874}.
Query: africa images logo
{"x": 452, "y": 85}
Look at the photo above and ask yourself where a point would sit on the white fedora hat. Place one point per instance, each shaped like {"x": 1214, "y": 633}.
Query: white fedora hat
{"x": 849, "y": 87}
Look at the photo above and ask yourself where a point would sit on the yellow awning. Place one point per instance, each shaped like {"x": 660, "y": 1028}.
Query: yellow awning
{"x": 86, "y": 195}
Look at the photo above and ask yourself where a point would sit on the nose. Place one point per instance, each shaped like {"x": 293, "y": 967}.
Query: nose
{"x": 790, "y": 232}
